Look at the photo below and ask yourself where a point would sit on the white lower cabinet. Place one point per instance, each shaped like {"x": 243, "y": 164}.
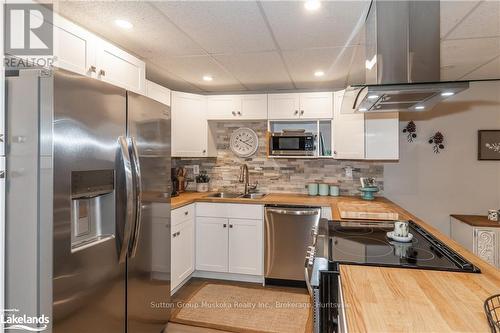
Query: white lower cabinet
{"x": 227, "y": 244}
{"x": 182, "y": 244}
{"x": 482, "y": 241}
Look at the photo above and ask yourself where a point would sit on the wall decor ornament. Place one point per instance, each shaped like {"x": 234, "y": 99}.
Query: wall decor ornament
{"x": 489, "y": 145}
{"x": 437, "y": 140}
{"x": 411, "y": 130}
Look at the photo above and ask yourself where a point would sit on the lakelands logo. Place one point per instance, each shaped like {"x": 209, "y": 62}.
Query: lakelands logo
{"x": 13, "y": 320}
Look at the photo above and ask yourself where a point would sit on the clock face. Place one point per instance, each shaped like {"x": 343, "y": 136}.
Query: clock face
{"x": 244, "y": 142}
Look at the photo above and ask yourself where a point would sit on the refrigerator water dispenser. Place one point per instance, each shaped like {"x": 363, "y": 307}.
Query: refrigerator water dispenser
{"x": 92, "y": 208}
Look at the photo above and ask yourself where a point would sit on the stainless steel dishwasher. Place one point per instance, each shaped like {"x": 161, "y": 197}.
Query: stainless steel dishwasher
{"x": 289, "y": 231}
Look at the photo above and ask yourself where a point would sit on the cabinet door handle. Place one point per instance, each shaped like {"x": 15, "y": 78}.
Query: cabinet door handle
{"x": 301, "y": 112}
{"x": 178, "y": 233}
{"x": 2, "y": 174}
{"x": 239, "y": 113}
{"x": 1, "y": 137}
{"x": 296, "y": 112}
{"x": 102, "y": 72}
{"x": 204, "y": 151}
{"x": 230, "y": 226}
{"x": 174, "y": 234}
{"x": 92, "y": 69}
{"x": 234, "y": 113}
{"x": 186, "y": 212}
{"x": 224, "y": 225}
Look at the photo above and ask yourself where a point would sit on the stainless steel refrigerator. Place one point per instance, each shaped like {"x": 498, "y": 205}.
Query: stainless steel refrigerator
{"x": 79, "y": 235}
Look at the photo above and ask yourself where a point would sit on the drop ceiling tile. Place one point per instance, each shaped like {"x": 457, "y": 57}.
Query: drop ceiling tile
{"x": 334, "y": 62}
{"x": 331, "y": 26}
{"x": 459, "y": 57}
{"x": 257, "y": 71}
{"x": 452, "y": 12}
{"x": 484, "y": 21}
{"x": 152, "y": 35}
{"x": 193, "y": 68}
{"x": 221, "y": 26}
{"x": 490, "y": 70}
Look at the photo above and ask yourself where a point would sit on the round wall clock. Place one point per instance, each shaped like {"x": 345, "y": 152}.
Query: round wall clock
{"x": 244, "y": 142}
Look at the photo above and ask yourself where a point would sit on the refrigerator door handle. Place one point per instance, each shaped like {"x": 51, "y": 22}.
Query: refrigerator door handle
{"x": 130, "y": 208}
{"x": 138, "y": 195}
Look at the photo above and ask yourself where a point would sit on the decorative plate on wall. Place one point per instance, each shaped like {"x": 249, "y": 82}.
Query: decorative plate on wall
{"x": 244, "y": 142}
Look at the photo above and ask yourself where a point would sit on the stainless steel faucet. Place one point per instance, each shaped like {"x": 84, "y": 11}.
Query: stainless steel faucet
{"x": 244, "y": 178}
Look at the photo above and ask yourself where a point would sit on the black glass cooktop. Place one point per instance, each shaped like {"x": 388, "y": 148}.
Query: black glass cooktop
{"x": 367, "y": 244}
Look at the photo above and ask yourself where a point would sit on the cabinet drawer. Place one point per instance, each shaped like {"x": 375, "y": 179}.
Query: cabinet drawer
{"x": 211, "y": 209}
{"x": 237, "y": 211}
{"x": 182, "y": 214}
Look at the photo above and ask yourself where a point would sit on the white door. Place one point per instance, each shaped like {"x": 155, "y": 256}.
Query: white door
{"x": 316, "y": 105}
{"x": 120, "y": 68}
{"x": 211, "y": 244}
{"x": 189, "y": 125}
{"x": 283, "y": 106}
{"x": 245, "y": 246}
{"x": 74, "y": 47}
{"x": 253, "y": 106}
{"x": 382, "y": 136}
{"x": 158, "y": 92}
{"x": 223, "y": 107}
{"x": 182, "y": 252}
{"x": 349, "y": 132}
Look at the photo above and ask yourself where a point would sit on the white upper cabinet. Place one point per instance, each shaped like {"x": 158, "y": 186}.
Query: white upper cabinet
{"x": 348, "y": 133}
{"x": 120, "y": 68}
{"x": 74, "y": 47}
{"x": 300, "y": 106}
{"x": 158, "y": 93}
{"x": 382, "y": 136}
{"x": 191, "y": 135}
{"x": 283, "y": 106}
{"x": 316, "y": 105}
{"x": 237, "y": 107}
{"x": 77, "y": 50}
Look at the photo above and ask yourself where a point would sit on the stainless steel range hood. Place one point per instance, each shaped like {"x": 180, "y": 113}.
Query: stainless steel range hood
{"x": 402, "y": 60}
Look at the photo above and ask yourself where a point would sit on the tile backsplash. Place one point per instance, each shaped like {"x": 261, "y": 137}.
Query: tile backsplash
{"x": 276, "y": 175}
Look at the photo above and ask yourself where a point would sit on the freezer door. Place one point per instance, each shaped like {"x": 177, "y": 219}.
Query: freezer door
{"x": 148, "y": 280}
{"x": 89, "y": 206}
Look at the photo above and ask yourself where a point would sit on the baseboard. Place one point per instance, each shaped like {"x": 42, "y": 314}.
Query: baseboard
{"x": 180, "y": 285}
{"x": 229, "y": 276}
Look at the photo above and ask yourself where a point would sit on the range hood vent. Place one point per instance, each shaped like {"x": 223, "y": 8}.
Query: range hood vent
{"x": 402, "y": 60}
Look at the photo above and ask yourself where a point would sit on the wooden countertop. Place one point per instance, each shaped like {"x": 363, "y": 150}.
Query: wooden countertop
{"x": 384, "y": 299}
{"x": 477, "y": 220}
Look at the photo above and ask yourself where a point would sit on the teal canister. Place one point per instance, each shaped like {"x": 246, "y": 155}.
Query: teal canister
{"x": 312, "y": 188}
{"x": 323, "y": 189}
{"x": 334, "y": 190}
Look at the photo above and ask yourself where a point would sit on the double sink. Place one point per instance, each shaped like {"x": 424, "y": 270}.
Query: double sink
{"x": 232, "y": 195}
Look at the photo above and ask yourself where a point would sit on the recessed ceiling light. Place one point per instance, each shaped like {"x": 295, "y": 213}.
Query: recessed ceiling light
{"x": 207, "y": 78}
{"x": 312, "y": 5}
{"x": 363, "y": 109}
{"x": 447, "y": 93}
{"x": 373, "y": 97}
{"x": 319, "y": 73}
{"x": 420, "y": 107}
{"x": 124, "y": 24}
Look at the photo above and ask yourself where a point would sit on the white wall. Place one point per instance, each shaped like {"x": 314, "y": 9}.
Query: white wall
{"x": 433, "y": 186}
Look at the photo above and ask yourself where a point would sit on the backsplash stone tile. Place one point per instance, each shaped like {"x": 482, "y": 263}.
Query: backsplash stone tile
{"x": 276, "y": 175}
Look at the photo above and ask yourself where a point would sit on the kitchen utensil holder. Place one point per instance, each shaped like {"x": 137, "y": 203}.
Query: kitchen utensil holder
{"x": 492, "y": 309}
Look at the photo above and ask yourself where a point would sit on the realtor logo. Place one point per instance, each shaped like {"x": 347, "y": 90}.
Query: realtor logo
{"x": 28, "y": 29}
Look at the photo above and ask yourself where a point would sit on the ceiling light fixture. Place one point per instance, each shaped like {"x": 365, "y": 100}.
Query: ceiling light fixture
{"x": 319, "y": 73}
{"x": 124, "y": 24}
{"x": 420, "y": 107}
{"x": 312, "y": 5}
{"x": 373, "y": 97}
{"x": 363, "y": 109}
{"x": 207, "y": 78}
{"x": 447, "y": 93}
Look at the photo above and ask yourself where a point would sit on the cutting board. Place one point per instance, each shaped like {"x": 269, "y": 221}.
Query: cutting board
{"x": 367, "y": 211}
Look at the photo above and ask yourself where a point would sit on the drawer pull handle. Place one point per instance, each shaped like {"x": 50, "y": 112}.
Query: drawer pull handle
{"x": 230, "y": 226}
{"x": 224, "y": 225}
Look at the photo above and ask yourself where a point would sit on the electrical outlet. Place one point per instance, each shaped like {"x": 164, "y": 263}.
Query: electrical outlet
{"x": 348, "y": 172}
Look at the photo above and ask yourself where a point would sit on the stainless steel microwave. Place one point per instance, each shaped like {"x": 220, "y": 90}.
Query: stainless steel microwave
{"x": 291, "y": 144}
